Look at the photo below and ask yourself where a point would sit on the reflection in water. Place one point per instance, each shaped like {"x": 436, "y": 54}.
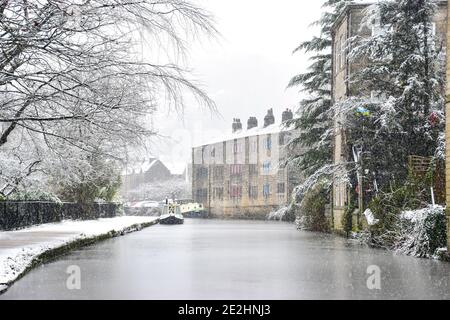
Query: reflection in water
{"x": 210, "y": 259}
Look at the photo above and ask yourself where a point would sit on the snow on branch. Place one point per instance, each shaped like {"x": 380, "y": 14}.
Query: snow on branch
{"x": 327, "y": 175}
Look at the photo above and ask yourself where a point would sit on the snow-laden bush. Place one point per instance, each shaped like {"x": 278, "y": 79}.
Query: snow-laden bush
{"x": 423, "y": 232}
{"x": 419, "y": 233}
{"x": 33, "y": 195}
{"x": 311, "y": 212}
{"x": 87, "y": 179}
{"x": 307, "y": 210}
{"x": 285, "y": 213}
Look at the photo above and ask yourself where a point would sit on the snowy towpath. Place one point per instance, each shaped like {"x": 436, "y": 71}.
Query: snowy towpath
{"x": 19, "y": 248}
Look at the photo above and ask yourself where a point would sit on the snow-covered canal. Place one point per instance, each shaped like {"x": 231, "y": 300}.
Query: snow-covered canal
{"x": 208, "y": 259}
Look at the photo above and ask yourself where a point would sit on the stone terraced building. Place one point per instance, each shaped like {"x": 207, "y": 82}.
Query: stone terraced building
{"x": 243, "y": 174}
{"x": 348, "y": 25}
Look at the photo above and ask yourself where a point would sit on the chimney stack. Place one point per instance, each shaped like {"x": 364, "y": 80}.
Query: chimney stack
{"x": 252, "y": 123}
{"x": 237, "y": 125}
{"x": 269, "y": 118}
{"x": 287, "y": 115}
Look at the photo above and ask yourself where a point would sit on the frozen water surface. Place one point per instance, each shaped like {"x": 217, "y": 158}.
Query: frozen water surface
{"x": 210, "y": 259}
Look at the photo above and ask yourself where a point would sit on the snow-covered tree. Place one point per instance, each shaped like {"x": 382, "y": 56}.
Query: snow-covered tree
{"x": 72, "y": 75}
{"x": 84, "y": 176}
{"x": 33, "y": 166}
{"x": 20, "y": 164}
{"x": 397, "y": 104}
{"x": 313, "y": 120}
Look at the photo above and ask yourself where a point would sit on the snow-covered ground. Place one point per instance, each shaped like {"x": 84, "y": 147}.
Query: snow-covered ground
{"x": 19, "y": 248}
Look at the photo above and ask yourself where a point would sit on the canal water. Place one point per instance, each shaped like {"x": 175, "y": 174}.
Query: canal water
{"x": 212, "y": 259}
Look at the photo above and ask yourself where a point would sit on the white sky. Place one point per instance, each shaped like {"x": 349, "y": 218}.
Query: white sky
{"x": 245, "y": 71}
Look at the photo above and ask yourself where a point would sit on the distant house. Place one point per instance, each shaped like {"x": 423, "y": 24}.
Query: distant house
{"x": 144, "y": 171}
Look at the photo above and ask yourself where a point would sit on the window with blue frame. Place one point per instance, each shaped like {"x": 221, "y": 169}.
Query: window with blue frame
{"x": 266, "y": 167}
{"x": 268, "y": 142}
{"x": 266, "y": 190}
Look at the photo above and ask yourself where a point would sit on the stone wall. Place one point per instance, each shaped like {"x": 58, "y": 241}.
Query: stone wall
{"x": 21, "y": 214}
{"x": 242, "y": 212}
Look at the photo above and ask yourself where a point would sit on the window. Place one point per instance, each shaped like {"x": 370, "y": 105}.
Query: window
{"x": 266, "y": 190}
{"x": 253, "y": 169}
{"x": 237, "y": 147}
{"x": 266, "y": 167}
{"x": 202, "y": 195}
{"x": 236, "y": 192}
{"x": 202, "y": 173}
{"x": 268, "y": 142}
{"x": 253, "y": 192}
{"x": 236, "y": 170}
{"x": 218, "y": 193}
{"x": 281, "y": 187}
{"x": 218, "y": 173}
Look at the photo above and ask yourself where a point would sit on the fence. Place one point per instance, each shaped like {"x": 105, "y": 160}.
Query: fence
{"x": 20, "y": 214}
{"x": 420, "y": 166}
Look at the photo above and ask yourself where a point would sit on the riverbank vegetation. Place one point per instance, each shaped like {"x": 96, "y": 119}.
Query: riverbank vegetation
{"x": 312, "y": 211}
{"x": 393, "y": 121}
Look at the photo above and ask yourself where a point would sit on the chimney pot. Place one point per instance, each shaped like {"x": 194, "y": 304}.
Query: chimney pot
{"x": 287, "y": 115}
{"x": 237, "y": 125}
{"x": 252, "y": 123}
{"x": 269, "y": 119}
